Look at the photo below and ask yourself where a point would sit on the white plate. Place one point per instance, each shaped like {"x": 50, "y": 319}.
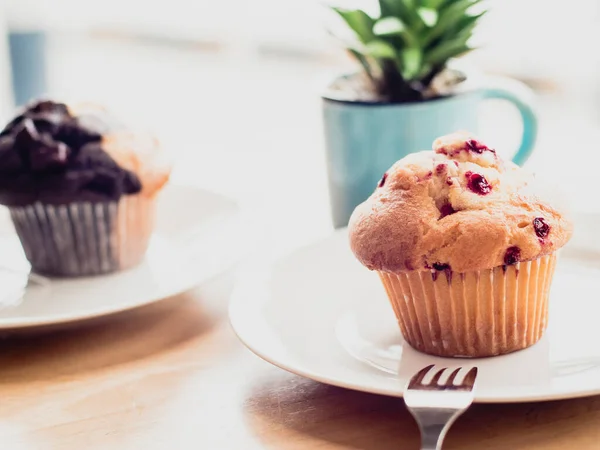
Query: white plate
{"x": 197, "y": 236}
{"x": 320, "y": 314}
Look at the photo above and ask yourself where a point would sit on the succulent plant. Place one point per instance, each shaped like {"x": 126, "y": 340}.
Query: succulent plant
{"x": 409, "y": 45}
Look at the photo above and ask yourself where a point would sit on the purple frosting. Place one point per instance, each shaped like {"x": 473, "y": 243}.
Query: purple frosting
{"x": 48, "y": 155}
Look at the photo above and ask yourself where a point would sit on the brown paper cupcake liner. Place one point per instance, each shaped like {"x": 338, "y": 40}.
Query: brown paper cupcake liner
{"x": 474, "y": 314}
{"x": 85, "y": 238}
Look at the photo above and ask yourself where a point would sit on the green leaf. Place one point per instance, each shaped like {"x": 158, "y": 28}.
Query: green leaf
{"x": 402, "y": 9}
{"x": 359, "y": 21}
{"x": 388, "y": 26}
{"x": 445, "y": 51}
{"x": 458, "y": 6}
{"x": 433, "y": 4}
{"x": 428, "y": 16}
{"x": 412, "y": 16}
{"x": 392, "y": 26}
{"x": 411, "y": 62}
{"x": 467, "y": 24}
{"x": 388, "y": 8}
{"x": 381, "y": 49}
{"x": 448, "y": 19}
{"x": 409, "y": 4}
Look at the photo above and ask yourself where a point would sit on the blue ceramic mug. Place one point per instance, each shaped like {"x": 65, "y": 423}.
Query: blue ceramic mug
{"x": 364, "y": 139}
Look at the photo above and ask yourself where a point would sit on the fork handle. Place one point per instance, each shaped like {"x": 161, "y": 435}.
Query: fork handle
{"x": 432, "y": 436}
{"x": 434, "y": 424}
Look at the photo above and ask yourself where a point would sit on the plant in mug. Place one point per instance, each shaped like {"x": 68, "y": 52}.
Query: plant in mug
{"x": 404, "y": 52}
{"x": 408, "y": 93}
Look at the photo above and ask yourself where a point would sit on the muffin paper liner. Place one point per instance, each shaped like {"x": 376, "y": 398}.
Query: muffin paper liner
{"x": 84, "y": 238}
{"x": 474, "y": 314}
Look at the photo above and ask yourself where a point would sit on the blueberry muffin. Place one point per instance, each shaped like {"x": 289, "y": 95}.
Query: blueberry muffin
{"x": 465, "y": 248}
{"x": 81, "y": 188}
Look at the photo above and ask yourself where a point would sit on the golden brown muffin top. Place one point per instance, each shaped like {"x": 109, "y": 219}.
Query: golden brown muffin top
{"x": 459, "y": 207}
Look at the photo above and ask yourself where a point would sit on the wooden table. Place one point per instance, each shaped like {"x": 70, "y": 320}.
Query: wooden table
{"x": 174, "y": 376}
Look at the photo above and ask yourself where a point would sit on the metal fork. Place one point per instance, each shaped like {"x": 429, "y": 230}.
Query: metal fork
{"x": 436, "y": 406}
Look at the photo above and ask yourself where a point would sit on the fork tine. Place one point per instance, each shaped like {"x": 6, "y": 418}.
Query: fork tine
{"x": 436, "y": 378}
{"x": 453, "y": 375}
{"x": 418, "y": 377}
{"x": 470, "y": 377}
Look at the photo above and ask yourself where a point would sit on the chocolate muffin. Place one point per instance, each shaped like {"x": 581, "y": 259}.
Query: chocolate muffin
{"x": 465, "y": 249}
{"x": 81, "y": 188}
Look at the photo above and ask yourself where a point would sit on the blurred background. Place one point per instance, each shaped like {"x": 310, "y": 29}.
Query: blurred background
{"x": 232, "y": 88}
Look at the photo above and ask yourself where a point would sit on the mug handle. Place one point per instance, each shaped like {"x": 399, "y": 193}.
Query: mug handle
{"x": 523, "y": 98}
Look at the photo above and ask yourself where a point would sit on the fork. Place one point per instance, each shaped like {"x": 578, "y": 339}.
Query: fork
{"x": 435, "y": 406}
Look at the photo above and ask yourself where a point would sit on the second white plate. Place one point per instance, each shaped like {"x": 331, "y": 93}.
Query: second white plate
{"x": 320, "y": 314}
{"x": 198, "y": 235}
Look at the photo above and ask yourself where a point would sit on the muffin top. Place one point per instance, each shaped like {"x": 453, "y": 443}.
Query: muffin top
{"x": 459, "y": 207}
{"x": 57, "y": 154}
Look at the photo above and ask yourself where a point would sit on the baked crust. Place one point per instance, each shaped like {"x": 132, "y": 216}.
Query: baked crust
{"x": 459, "y": 207}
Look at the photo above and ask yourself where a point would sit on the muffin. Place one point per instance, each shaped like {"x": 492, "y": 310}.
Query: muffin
{"x": 81, "y": 188}
{"x": 464, "y": 247}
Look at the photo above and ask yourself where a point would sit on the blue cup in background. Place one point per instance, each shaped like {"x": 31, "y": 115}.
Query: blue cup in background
{"x": 364, "y": 139}
{"x": 28, "y": 64}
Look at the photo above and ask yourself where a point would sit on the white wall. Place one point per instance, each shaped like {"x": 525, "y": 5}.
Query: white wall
{"x": 543, "y": 38}
{"x": 522, "y": 37}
